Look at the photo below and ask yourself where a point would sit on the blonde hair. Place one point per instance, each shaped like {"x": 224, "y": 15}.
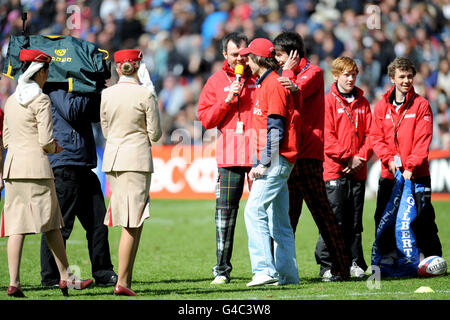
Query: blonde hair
{"x": 343, "y": 64}
{"x": 128, "y": 68}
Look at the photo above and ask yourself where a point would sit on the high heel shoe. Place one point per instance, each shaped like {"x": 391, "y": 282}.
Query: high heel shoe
{"x": 64, "y": 285}
{"x": 122, "y": 291}
{"x": 15, "y": 292}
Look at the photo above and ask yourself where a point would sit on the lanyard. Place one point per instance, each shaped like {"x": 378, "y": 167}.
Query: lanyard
{"x": 304, "y": 68}
{"x": 355, "y": 124}
{"x": 265, "y": 74}
{"x": 397, "y": 126}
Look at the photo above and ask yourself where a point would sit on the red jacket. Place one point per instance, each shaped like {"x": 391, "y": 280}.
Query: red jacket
{"x": 1, "y": 122}
{"x": 309, "y": 79}
{"x": 341, "y": 141}
{"x": 414, "y": 134}
{"x": 232, "y": 149}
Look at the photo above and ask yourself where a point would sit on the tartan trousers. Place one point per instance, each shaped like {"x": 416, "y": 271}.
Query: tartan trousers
{"x": 229, "y": 189}
{"x": 306, "y": 183}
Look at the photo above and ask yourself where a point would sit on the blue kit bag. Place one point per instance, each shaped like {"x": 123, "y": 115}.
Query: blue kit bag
{"x": 400, "y": 212}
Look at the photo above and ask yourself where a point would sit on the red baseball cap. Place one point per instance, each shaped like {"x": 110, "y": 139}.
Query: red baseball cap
{"x": 129, "y": 55}
{"x": 34, "y": 55}
{"x": 261, "y": 47}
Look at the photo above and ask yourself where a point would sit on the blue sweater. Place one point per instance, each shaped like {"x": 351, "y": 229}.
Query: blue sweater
{"x": 72, "y": 117}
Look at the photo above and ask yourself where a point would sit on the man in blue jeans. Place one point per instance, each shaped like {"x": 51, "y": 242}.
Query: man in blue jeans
{"x": 276, "y": 132}
{"x": 77, "y": 186}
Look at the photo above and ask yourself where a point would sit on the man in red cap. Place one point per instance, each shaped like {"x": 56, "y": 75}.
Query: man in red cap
{"x": 226, "y": 103}
{"x": 276, "y": 140}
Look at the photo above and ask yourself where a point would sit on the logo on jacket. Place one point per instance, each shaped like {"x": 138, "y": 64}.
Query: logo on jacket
{"x": 60, "y": 53}
{"x": 256, "y": 109}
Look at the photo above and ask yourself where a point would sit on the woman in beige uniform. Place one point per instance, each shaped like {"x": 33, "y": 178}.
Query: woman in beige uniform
{"x": 130, "y": 121}
{"x": 31, "y": 205}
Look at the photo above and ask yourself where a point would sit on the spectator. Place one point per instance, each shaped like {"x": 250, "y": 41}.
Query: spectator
{"x": 443, "y": 80}
{"x": 371, "y": 69}
{"x": 130, "y": 28}
{"x": 170, "y": 26}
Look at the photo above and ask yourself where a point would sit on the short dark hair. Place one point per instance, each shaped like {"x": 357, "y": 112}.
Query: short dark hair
{"x": 289, "y": 41}
{"x": 266, "y": 62}
{"x": 401, "y": 63}
{"x": 235, "y": 37}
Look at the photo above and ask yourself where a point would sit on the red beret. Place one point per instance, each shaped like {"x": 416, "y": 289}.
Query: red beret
{"x": 34, "y": 55}
{"x": 260, "y": 47}
{"x": 128, "y": 55}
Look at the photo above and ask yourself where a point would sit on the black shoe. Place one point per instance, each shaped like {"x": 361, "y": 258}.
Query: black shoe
{"x": 333, "y": 278}
{"x": 54, "y": 283}
{"x": 107, "y": 281}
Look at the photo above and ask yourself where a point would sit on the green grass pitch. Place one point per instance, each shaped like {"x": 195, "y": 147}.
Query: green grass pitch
{"x": 177, "y": 253}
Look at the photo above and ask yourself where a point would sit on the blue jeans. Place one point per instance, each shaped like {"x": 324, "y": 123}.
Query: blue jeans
{"x": 267, "y": 218}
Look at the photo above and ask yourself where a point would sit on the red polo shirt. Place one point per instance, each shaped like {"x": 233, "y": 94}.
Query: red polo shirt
{"x": 273, "y": 99}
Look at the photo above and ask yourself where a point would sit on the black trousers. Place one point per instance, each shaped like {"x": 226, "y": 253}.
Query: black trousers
{"x": 424, "y": 226}
{"x": 79, "y": 195}
{"x": 346, "y": 197}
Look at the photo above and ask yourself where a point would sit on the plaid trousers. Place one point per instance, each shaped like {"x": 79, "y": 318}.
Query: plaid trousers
{"x": 229, "y": 189}
{"x": 306, "y": 183}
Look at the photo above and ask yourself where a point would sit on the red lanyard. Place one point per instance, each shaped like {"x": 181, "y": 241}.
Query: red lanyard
{"x": 397, "y": 127}
{"x": 354, "y": 123}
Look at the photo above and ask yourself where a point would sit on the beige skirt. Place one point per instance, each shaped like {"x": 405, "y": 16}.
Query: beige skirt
{"x": 31, "y": 206}
{"x": 130, "y": 200}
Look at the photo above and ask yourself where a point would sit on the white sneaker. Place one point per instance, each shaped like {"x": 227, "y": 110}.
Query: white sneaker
{"x": 220, "y": 280}
{"x": 356, "y": 271}
{"x": 261, "y": 279}
{"x": 327, "y": 275}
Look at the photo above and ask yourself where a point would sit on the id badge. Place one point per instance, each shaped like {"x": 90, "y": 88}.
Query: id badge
{"x": 397, "y": 161}
{"x": 240, "y": 127}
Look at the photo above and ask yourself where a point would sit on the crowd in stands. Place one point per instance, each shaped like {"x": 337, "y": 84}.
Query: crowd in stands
{"x": 181, "y": 41}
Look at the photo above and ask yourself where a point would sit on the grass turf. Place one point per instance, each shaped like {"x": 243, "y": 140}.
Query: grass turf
{"x": 177, "y": 253}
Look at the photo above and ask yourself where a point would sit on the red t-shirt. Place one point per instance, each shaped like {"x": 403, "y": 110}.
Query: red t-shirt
{"x": 273, "y": 99}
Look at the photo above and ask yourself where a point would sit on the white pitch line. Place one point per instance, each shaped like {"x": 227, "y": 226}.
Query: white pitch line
{"x": 374, "y": 293}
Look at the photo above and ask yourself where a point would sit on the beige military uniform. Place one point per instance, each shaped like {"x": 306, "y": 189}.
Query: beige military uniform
{"x": 31, "y": 205}
{"x": 130, "y": 121}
